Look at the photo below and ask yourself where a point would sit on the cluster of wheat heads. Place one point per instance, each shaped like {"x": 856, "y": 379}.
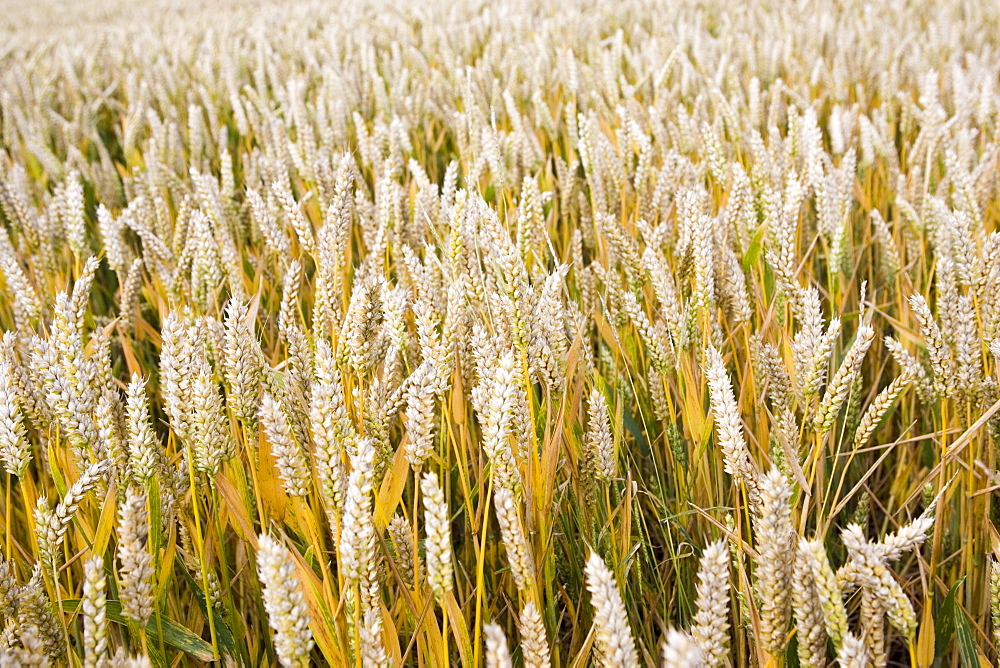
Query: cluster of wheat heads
{"x": 542, "y": 334}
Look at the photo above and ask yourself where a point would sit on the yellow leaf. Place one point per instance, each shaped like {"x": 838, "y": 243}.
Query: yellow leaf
{"x": 458, "y": 400}
{"x": 925, "y": 642}
{"x": 107, "y": 521}
{"x": 131, "y": 361}
{"x": 164, "y": 578}
{"x": 234, "y": 504}
{"x": 698, "y": 423}
{"x": 459, "y": 629}
{"x": 272, "y": 492}
{"x": 319, "y": 617}
{"x": 581, "y": 658}
{"x": 390, "y": 637}
{"x": 427, "y": 625}
{"x": 392, "y": 487}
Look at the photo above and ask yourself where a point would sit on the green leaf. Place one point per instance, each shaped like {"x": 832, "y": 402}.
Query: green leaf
{"x": 57, "y": 477}
{"x": 224, "y": 635}
{"x": 792, "y": 652}
{"x": 945, "y": 625}
{"x": 153, "y": 651}
{"x": 185, "y": 640}
{"x": 752, "y": 254}
{"x": 966, "y": 645}
{"x": 175, "y": 635}
{"x": 637, "y": 432}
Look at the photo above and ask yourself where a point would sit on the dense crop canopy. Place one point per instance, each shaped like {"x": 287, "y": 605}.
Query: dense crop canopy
{"x": 514, "y": 333}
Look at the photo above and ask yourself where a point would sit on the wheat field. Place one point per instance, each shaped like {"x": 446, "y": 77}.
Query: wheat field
{"x": 508, "y": 333}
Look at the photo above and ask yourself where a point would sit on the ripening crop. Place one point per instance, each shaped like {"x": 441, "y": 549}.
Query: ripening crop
{"x": 513, "y": 333}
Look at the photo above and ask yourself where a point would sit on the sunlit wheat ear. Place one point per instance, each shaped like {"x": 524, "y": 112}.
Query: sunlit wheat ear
{"x": 44, "y": 518}
{"x": 74, "y": 216}
{"x": 362, "y": 324}
{"x": 128, "y": 299}
{"x": 9, "y": 641}
{"x": 213, "y": 442}
{"x": 729, "y": 428}
{"x": 52, "y": 534}
{"x": 514, "y": 539}
{"x": 293, "y": 467}
{"x": 702, "y": 246}
{"x": 830, "y": 596}
{"x": 888, "y": 251}
{"x": 94, "y": 605}
{"x": 656, "y": 343}
{"x": 882, "y": 594}
{"x": 769, "y": 365}
{"x": 357, "y": 533}
{"x": 497, "y": 652}
{"x": 942, "y": 360}
{"x": 776, "y": 546}
{"x": 242, "y": 364}
{"x": 710, "y": 630}
{"x": 358, "y": 559}
{"x": 852, "y": 653}
{"x": 813, "y": 347}
{"x": 495, "y": 399}
{"x": 549, "y": 344}
{"x": 136, "y": 570}
{"x": 274, "y": 237}
{"x": 288, "y": 315}
{"x": 967, "y": 346}
{"x": 534, "y": 640}
{"x": 15, "y": 450}
{"x": 807, "y": 609}
{"x": 614, "y": 636}
{"x": 372, "y": 648}
{"x": 437, "y": 524}
{"x": 331, "y": 430}
{"x": 680, "y": 650}
{"x": 32, "y": 651}
{"x": 122, "y": 659}
{"x": 599, "y": 447}
{"x": 908, "y": 537}
{"x": 36, "y": 610}
{"x": 176, "y": 359}
{"x": 401, "y": 538}
{"x": 142, "y": 443}
{"x": 284, "y": 601}
{"x": 10, "y": 591}
{"x": 65, "y": 368}
{"x": 840, "y": 384}
{"x": 303, "y": 230}
{"x": 109, "y": 415}
{"x": 28, "y": 362}
{"x": 878, "y": 408}
{"x": 420, "y": 415}
{"x": 911, "y": 367}
{"x": 25, "y": 303}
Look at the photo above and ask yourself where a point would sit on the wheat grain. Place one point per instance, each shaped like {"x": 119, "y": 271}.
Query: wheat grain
{"x": 438, "y": 524}
{"x": 285, "y": 603}
{"x": 614, "y": 636}
{"x": 94, "y": 604}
